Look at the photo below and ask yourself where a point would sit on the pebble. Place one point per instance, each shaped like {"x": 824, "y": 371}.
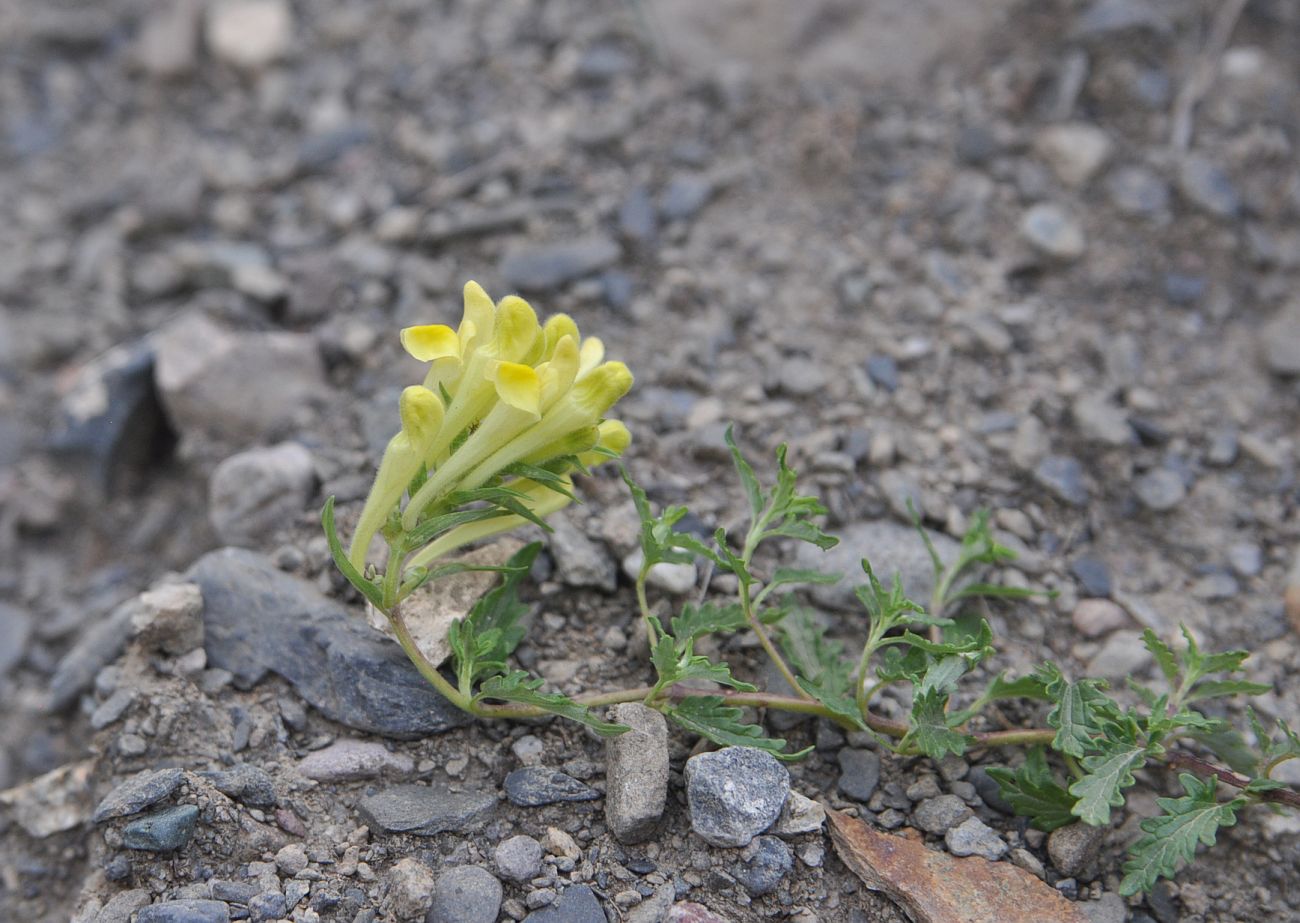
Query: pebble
{"x": 185, "y": 911}
{"x": 1216, "y": 585}
{"x": 534, "y": 786}
{"x": 579, "y": 561}
{"x": 291, "y": 859}
{"x": 684, "y": 196}
{"x": 1062, "y": 476}
{"x": 267, "y": 906}
{"x": 799, "y": 816}
{"x": 973, "y": 837}
{"x": 801, "y": 377}
{"x": 690, "y": 912}
{"x": 1074, "y": 847}
{"x": 426, "y": 810}
{"x": 410, "y": 888}
{"x": 15, "y": 631}
{"x": 254, "y": 494}
{"x": 1023, "y": 858}
{"x": 883, "y": 371}
{"x": 1109, "y": 908}
{"x": 1280, "y": 341}
{"x": 1075, "y": 151}
{"x": 1093, "y": 618}
{"x": 1102, "y": 421}
{"x": 1093, "y": 574}
{"x": 1120, "y": 656}
{"x": 734, "y": 794}
{"x": 244, "y": 782}
{"x": 637, "y": 220}
{"x": 519, "y": 858}
{"x": 1138, "y": 191}
{"x": 859, "y": 773}
{"x": 989, "y": 791}
{"x": 1245, "y": 558}
{"x": 123, "y": 905}
{"x": 763, "y": 863}
{"x": 940, "y": 814}
{"x": 465, "y": 894}
{"x": 891, "y": 547}
{"x": 636, "y": 775}
{"x": 1053, "y": 231}
{"x": 249, "y": 33}
{"x": 1160, "y": 489}
{"x": 678, "y": 579}
{"x": 1223, "y": 447}
{"x": 162, "y": 831}
{"x": 545, "y": 267}
{"x": 1208, "y": 187}
{"x": 576, "y": 904}
{"x": 348, "y": 760}
{"x": 168, "y": 619}
{"x": 169, "y": 38}
{"x": 137, "y": 793}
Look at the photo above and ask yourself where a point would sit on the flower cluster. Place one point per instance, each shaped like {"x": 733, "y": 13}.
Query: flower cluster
{"x": 509, "y": 407}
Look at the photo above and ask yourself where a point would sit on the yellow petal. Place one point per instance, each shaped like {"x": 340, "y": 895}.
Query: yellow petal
{"x": 516, "y": 329}
{"x": 519, "y": 386}
{"x": 558, "y": 374}
{"x": 599, "y": 389}
{"x": 556, "y": 328}
{"x": 479, "y": 314}
{"x": 593, "y": 351}
{"x": 615, "y": 436}
{"x": 428, "y": 342}
{"x": 421, "y": 413}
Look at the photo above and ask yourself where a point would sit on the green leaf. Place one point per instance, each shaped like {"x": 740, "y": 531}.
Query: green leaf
{"x": 1228, "y": 744}
{"x": 674, "y": 662}
{"x": 823, "y": 670}
{"x": 1219, "y": 688}
{"x": 659, "y": 541}
{"x": 979, "y": 644}
{"x": 367, "y": 588}
{"x": 1172, "y": 837}
{"x": 1079, "y": 712}
{"x": 995, "y": 591}
{"x": 431, "y": 528}
{"x": 929, "y": 729}
{"x": 1034, "y": 793}
{"x": 1107, "y": 775}
{"x": 1163, "y": 654}
{"x": 784, "y": 576}
{"x": 707, "y": 618}
{"x": 500, "y": 609}
{"x": 1024, "y": 687}
{"x": 522, "y": 689}
{"x": 710, "y": 717}
{"x": 943, "y": 674}
{"x": 748, "y": 480}
{"x": 1275, "y": 748}
{"x": 544, "y": 476}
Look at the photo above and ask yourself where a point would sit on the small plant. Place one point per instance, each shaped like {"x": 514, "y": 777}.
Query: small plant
{"x": 510, "y": 410}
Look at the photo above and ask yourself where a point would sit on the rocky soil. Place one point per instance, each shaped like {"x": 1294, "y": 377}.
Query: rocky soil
{"x": 975, "y": 275}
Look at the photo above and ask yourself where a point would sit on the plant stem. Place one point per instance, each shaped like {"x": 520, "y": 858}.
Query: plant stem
{"x": 427, "y": 669}
{"x": 644, "y": 605}
{"x": 1200, "y": 767}
{"x": 768, "y": 647}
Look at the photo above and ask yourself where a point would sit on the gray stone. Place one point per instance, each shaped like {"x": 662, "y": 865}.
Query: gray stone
{"x": 255, "y": 493}
{"x": 989, "y": 791}
{"x": 169, "y": 39}
{"x": 426, "y": 810}
{"x": 579, "y": 560}
{"x": 544, "y": 267}
{"x": 637, "y": 221}
{"x": 800, "y": 815}
{"x": 684, "y": 196}
{"x": 1106, "y": 17}
{"x": 162, "y": 831}
{"x": 576, "y": 904}
{"x": 1075, "y": 151}
{"x": 410, "y": 888}
{"x": 15, "y": 631}
{"x": 349, "y": 760}
{"x": 267, "y": 906}
{"x": 137, "y": 793}
{"x": 244, "y": 782}
{"x": 465, "y": 894}
{"x": 859, "y": 773}
{"x": 185, "y": 911}
{"x": 1062, "y": 475}
{"x": 892, "y": 548}
{"x": 1208, "y": 187}
{"x": 1280, "y": 340}
{"x": 1138, "y": 191}
{"x": 1223, "y": 447}
{"x": 249, "y": 34}
{"x": 883, "y": 371}
{"x": 1093, "y": 574}
{"x": 940, "y": 814}
{"x": 260, "y": 620}
{"x": 734, "y": 794}
{"x": 763, "y": 863}
{"x": 1093, "y": 618}
{"x": 534, "y": 786}
{"x": 1109, "y": 908}
{"x": 113, "y": 708}
{"x": 1160, "y": 489}
{"x": 1101, "y": 421}
{"x": 801, "y": 377}
{"x": 291, "y": 859}
{"x": 636, "y": 775}
{"x": 122, "y": 905}
{"x": 903, "y": 495}
{"x": 1053, "y": 231}
{"x": 1245, "y": 558}
{"x": 168, "y": 619}
{"x": 519, "y": 858}
{"x": 1074, "y": 847}
{"x": 1122, "y": 655}
{"x": 973, "y": 837}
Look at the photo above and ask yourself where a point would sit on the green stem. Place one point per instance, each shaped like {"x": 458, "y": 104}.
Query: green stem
{"x": 423, "y": 665}
{"x": 644, "y": 604}
{"x": 768, "y": 647}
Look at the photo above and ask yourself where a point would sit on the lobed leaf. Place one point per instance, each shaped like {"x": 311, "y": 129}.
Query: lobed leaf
{"x": 1034, "y": 793}
{"x": 1172, "y": 837}
{"x": 520, "y": 688}
{"x": 710, "y": 717}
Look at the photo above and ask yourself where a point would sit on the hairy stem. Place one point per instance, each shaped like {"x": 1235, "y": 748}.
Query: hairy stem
{"x": 1179, "y": 760}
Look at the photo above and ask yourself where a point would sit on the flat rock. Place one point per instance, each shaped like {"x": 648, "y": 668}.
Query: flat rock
{"x": 249, "y": 33}
{"x": 973, "y": 837}
{"x": 465, "y": 894}
{"x": 1075, "y": 151}
{"x": 1205, "y": 185}
{"x": 734, "y": 794}
{"x": 545, "y": 267}
{"x": 252, "y": 494}
{"x": 534, "y": 786}
{"x": 859, "y": 773}
{"x": 519, "y": 858}
{"x": 763, "y": 863}
{"x": 1062, "y": 475}
{"x": 1053, "y": 231}
{"x": 799, "y": 816}
{"x": 892, "y": 548}
{"x": 576, "y": 904}
{"x": 15, "y": 630}
{"x": 426, "y": 810}
{"x": 137, "y": 793}
{"x": 244, "y": 782}
{"x": 935, "y": 887}
{"x": 51, "y": 803}
{"x": 169, "y": 38}
{"x": 351, "y": 760}
{"x": 636, "y": 775}
{"x": 260, "y": 620}
{"x": 579, "y": 560}
{"x": 185, "y": 911}
{"x": 162, "y": 831}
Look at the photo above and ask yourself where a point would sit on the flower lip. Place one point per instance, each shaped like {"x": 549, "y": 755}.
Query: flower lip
{"x": 431, "y": 342}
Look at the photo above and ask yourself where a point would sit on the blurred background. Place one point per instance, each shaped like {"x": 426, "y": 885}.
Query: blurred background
{"x": 1035, "y": 255}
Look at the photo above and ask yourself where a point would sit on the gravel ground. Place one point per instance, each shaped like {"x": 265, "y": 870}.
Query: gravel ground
{"x": 977, "y": 274}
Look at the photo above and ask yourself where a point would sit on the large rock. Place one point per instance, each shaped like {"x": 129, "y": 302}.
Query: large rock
{"x": 259, "y": 620}
{"x": 734, "y": 794}
{"x": 240, "y": 388}
{"x": 636, "y": 780}
{"x": 892, "y": 548}
{"x": 426, "y": 810}
{"x": 254, "y": 493}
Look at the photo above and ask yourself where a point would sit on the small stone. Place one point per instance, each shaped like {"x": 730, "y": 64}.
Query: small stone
{"x": 925, "y": 787}
{"x": 763, "y": 863}
{"x": 576, "y": 904}
{"x": 529, "y": 750}
{"x": 113, "y": 708}
{"x": 859, "y": 773}
{"x": 1074, "y": 848}
{"x": 1122, "y": 655}
{"x": 465, "y": 894}
{"x": 1280, "y": 340}
{"x": 734, "y": 794}
{"x": 15, "y": 630}
{"x": 1063, "y": 477}
{"x": 426, "y": 810}
{"x": 678, "y": 579}
{"x": 1074, "y": 151}
{"x": 1245, "y": 558}
{"x": 579, "y": 561}
{"x": 137, "y": 793}
{"x": 291, "y": 859}
{"x": 410, "y": 888}
{"x": 1223, "y": 447}
{"x": 1093, "y": 618}
{"x": 799, "y": 816}
{"x": 1216, "y": 585}
{"x": 244, "y": 782}
{"x": 940, "y": 814}
{"x": 636, "y": 777}
{"x": 1023, "y": 858}
{"x": 548, "y": 266}
{"x": 249, "y": 33}
{"x": 185, "y": 911}
{"x": 1101, "y": 421}
{"x": 691, "y": 912}
{"x": 1160, "y": 489}
{"x": 534, "y": 786}
{"x": 255, "y": 493}
{"x": 684, "y": 196}
{"x": 883, "y": 372}
{"x": 801, "y": 377}
{"x": 168, "y": 619}
{"x": 559, "y": 843}
{"x": 989, "y": 791}
{"x": 1208, "y": 187}
{"x": 1093, "y": 574}
{"x": 267, "y": 906}
{"x": 169, "y": 39}
{"x": 162, "y": 831}
{"x": 637, "y": 221}
{"x": 123, "y": 905}
{"x": 1109, "y": 908}
{"x": 973, "y": 837}
{"x": 1138, "y": 191}
{"x": 519, "y": 858}
{"x": 1053, "y": 231}
{"x": 348, "y": 760}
